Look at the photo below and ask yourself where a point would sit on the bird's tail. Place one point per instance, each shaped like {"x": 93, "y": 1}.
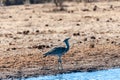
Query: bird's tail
{"x": 44, "y": 55}
{"x": 47, "y": 54}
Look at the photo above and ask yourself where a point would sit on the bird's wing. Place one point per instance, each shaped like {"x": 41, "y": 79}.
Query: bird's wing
{"x": 56, "y": 51}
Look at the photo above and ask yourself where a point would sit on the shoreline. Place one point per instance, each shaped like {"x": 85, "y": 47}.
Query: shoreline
{"x": 84, "y": 64}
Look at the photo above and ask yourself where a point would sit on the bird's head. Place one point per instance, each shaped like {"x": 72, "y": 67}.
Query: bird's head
{"x": 66, "y": 39}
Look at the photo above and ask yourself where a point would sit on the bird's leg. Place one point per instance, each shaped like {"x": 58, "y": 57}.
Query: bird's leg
{"x": 60, "y": 63}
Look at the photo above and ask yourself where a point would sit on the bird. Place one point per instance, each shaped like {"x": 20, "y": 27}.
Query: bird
{"x": 59, "y": 52}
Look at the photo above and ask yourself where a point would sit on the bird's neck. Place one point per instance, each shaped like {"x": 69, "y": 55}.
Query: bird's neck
{"x": 67, "y": 45}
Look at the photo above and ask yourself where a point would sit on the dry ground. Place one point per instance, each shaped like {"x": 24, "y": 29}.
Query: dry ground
{"x": 27, "y": 32}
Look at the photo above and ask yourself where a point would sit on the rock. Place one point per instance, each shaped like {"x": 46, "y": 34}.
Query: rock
{"x": 46, "y": 25}
{"x": 60, "y": 19}
{"x": 93, "y": 37}
{"x": 10, "y": 16}
{"x": 77, "y": 24}
{"x": 85, "y": 10}
{"x": 76, "y": 34}
{"x": 92, "y": 69}
{"x": 85, "y": 39}
{"x": 26, "y": 32}
{"x": 95, "y": 8}
{"x": 92, "y": 45}
{"x": 37, "y": 31}
{"x": 13, "y": 48}
{"x": 97, "y": 19}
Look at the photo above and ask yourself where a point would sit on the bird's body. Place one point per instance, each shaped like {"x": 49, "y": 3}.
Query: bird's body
{"x": 59, "y": 51}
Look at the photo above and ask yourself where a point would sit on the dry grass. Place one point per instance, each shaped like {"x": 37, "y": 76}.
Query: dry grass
{"x": 95, "y": 38}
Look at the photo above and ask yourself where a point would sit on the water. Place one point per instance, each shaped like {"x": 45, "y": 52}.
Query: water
{"x": 111, "y": 74}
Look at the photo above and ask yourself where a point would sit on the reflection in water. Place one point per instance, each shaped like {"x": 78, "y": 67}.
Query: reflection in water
{"x": 60, "y": 77}
{"x": 112, "y": 74}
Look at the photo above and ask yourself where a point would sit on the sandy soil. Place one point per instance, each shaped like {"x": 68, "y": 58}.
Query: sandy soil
{"x": 27, "y": 32}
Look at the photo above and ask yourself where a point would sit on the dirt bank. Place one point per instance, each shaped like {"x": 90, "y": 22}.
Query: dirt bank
{"x": 27, "y": 32}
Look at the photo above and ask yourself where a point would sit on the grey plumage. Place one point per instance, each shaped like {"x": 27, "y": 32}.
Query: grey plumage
{"x": 58, "y": 51}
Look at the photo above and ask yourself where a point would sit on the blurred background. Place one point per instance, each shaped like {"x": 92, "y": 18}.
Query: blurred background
{"x": 20, "y": 2}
